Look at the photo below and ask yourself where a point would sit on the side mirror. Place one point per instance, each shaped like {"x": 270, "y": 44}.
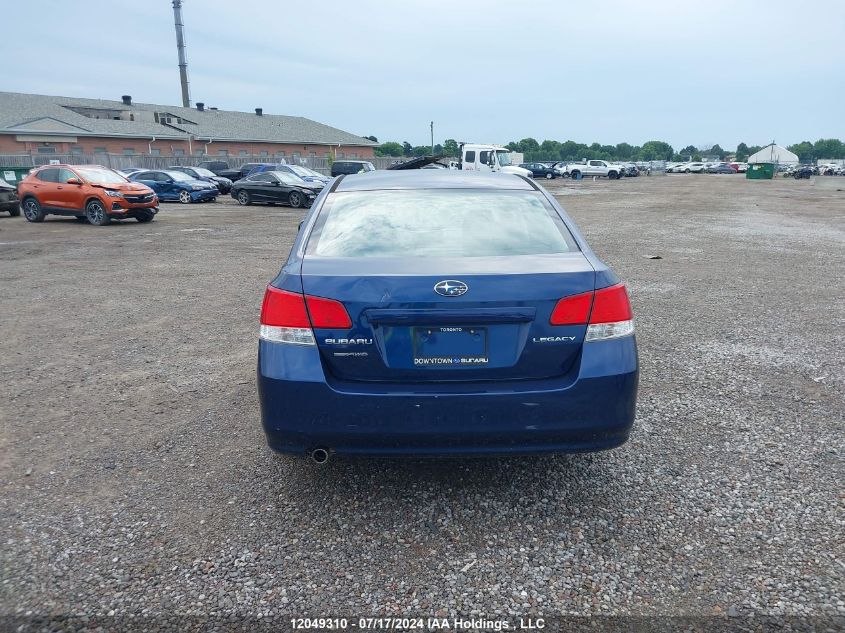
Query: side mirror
{"x": 74, "y": 181}
{"x": 169, "y": 181}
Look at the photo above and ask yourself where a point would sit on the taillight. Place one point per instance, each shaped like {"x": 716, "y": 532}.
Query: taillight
{"x": 607, "y": 313}
{"x": 328, "y": 313}
{"x": 611, "y": 316}
{"x": 573, "y": 310}
{"x": 610, "y": 305}
{"x": 285, "y": 316}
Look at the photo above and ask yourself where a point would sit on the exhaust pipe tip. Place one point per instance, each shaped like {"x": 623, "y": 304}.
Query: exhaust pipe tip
{"x": 320, "y": 455}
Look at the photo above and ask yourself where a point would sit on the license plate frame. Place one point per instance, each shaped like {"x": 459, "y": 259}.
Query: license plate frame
{"x": 449, "y": 346}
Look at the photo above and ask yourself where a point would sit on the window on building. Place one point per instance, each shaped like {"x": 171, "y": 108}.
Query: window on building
{"x": 280, "y": 154}
{"x": 264, "y": 153}
{"x": 128, "y": 151}
{"x": 327, "y": 155}
{"x": 199, "y": 152}
{"x": 353, "y": 155}
{"x": 296, "y": 154}
{"x": 76, "y": 151}
{"x": 312, "y": 154}
{"x": 222, "y": 152}
{"x": 46, "y": 149}
{"x": 155, "y": 152}
{"x": 341, "y": 155}
{"x": 243, "y": 152}
{"x": 180, "y": 152}
{"x": 99, "y": 150}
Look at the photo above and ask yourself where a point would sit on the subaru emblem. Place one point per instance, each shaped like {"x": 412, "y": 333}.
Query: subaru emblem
{"x": 450, "y": 288}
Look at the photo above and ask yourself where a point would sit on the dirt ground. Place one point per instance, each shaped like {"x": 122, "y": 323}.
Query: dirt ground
{"x": 135, "y": 477}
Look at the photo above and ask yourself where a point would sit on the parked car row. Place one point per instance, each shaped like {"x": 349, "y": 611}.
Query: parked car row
{"x": 99, "y": 195}
{"x": 698, "y": 167}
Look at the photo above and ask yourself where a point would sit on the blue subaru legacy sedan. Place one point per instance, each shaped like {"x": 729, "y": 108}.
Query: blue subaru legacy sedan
{"x": 439, "y": 312}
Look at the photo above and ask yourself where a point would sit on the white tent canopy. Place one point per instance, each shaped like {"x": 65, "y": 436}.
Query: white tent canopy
{"x": 773, "y": 154}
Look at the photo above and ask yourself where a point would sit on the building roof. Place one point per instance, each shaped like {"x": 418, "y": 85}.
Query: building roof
{"x": 48, "y": 115}
{"x": 773, "y": 153}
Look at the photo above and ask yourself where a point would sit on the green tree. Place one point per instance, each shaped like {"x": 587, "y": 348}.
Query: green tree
{"x": 450, "y": 147}
{"x": 716, "y": 150}
{"x": 689, "y": 150}
{"x": 742, "y": 152}
{"x": 656, "y": 150}
{"x": 390, "y": 148}
{"x": 528, "y": 145}
{"x": 805, "y": 151}
{"x": 372, "y": 138}
{"x": 570, "y": 151}
{"x": 625, "y": 151}
{"x": 406, "y": 148}
{"x": 829, "y": 148}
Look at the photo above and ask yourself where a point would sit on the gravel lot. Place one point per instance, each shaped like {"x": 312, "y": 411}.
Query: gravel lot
{"x": 136, "y": 480}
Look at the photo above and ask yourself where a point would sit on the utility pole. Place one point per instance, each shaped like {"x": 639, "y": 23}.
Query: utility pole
{"x": 432, "y": 138}
{"x": 180, "y": 48}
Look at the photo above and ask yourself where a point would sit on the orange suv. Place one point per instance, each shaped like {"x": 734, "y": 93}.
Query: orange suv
{"x": 88, "y": 192}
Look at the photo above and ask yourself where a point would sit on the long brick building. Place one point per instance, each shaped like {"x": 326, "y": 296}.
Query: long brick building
{"x": 40, "y": 124}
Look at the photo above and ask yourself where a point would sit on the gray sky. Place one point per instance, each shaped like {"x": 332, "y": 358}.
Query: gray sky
{"x": 699, "y": 72}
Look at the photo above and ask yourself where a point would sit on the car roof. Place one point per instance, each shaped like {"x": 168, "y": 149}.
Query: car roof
{"x": 432, "y": 179}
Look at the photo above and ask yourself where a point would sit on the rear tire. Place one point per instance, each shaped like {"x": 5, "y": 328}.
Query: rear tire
{"x": 244, "y": 198}
{"x": 96, "y": 213}
{"x": 146, "y": 216}
{"x": 576, "y": 175}
{"x": 32, "y": 210}
{"x": 612, "y": 175}
{"x": 15, "y": 211}
{"x": 549, "y": 176}
{"x": 295, "y": 199}
{"x": 185, "y": 197}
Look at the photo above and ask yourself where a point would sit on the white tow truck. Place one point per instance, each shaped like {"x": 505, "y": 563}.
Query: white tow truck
{"x": 483, "y": 157}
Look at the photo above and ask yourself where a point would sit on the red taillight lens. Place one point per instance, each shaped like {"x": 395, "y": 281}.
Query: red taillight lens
{"x": 572, "y": 310}
{"x": 284, "y": 309}
{"x": 611, "y": 305}
{"x": 328, "y": 313}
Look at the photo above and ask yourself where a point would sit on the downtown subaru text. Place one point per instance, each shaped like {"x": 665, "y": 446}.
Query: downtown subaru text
{"x": 437, "y": 312}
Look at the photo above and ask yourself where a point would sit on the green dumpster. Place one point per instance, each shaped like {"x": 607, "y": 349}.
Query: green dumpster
{"x": 760, "y": 171}
{"x": 14, "y": 175}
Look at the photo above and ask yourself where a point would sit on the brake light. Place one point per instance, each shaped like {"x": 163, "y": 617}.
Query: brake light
{"x": 573, "y": 310}
{"x": 284, "y": 309}
{"x": 610, "y": 305}
{"x": 611, "y": 316}
{"x": 285, "y": 316}
{"x": 327, "y": 313}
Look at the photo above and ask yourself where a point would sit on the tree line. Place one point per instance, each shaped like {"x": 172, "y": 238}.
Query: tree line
{"x": 571, "y": 151}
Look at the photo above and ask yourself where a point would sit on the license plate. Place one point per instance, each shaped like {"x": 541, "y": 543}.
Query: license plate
{"x": 438, "y": 346}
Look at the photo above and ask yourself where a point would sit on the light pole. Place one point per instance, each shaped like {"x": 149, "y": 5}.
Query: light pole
{"x": 432, "y": 138}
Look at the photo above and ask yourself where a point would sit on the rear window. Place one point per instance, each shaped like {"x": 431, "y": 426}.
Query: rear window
{"x": 438, "y": 223}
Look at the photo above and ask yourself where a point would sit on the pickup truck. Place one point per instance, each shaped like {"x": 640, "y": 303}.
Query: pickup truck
{"x": 595, "y": 168}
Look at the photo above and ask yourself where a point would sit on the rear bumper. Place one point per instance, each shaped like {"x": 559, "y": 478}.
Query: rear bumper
{"x": 593, "y": 411}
